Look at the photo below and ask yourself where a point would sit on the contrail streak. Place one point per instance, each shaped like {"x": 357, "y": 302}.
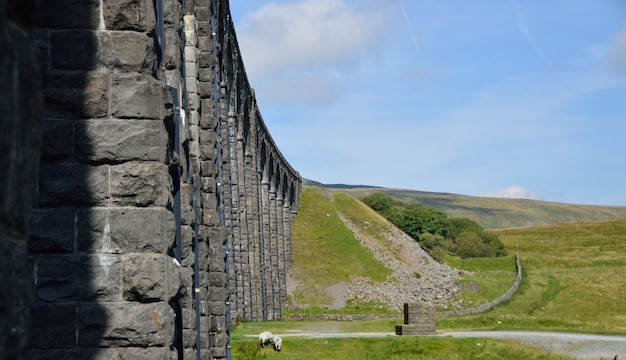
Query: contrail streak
{"x": 408, "y": 25}
{"x": 521, "y": 25}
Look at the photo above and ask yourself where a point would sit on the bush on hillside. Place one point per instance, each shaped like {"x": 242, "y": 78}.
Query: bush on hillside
{"x": 434, "y": 231}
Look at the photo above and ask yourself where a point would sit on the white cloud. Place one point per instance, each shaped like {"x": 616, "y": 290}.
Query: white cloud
{"x": 616, "y": 55}
{"x": 298, "y": 51}
{"x": 512, "y": 192}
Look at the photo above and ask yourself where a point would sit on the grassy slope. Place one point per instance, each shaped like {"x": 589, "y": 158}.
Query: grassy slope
{"x": 324, "y": 251}
{"x": 497, "y": 213}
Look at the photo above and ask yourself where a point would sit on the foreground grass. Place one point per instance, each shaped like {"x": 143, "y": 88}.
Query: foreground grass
{"x": 397, "y": 348}
{"x": 574, "y": 280}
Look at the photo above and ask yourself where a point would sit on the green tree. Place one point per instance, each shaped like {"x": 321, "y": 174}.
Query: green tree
{"x": 435, "y": 232}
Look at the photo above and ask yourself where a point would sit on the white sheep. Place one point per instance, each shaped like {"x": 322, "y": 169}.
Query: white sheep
{"x": 265, "y": 338}
{"x": 278, "y": 343}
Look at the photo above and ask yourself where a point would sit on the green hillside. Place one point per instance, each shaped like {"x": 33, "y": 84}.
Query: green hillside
{"x": 574, "y": 273}
{"x": 574, "y": 280}
{"x": 495, "y": 213}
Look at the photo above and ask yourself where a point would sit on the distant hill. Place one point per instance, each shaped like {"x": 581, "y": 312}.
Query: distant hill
{"x": 491, "y": 213}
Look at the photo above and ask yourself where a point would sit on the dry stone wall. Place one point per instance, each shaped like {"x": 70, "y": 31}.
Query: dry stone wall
{"x": 163, "y": 206}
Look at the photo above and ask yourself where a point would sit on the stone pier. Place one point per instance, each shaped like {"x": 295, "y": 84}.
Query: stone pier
{"x": 161, "y": 207}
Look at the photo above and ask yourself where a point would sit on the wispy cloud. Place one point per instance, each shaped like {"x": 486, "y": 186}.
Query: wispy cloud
{"x": 409, "y": 27}
{"x": 311, "y": 43}
{"x": 616, "y": 55}
{"x": 523, "y": 28}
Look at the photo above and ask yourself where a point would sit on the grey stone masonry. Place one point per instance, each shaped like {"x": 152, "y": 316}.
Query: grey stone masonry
{"x": 21, "y": 125}
{"x": 419, "y": 319}
{"x": 162, "y": 206}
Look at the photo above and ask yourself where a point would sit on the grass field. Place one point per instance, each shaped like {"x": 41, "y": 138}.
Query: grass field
{"x": 574, "y": 280}
{"x": 396, "y": 348}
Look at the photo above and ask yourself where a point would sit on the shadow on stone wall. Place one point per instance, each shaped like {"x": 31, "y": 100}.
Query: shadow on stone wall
{"x": 66, "y": 319}
{"x": 21, "y": 122}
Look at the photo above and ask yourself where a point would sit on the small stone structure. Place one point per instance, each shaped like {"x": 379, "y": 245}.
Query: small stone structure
{"x": 419, "y": 319}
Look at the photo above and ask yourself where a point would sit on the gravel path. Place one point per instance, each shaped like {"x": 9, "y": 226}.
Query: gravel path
{"x": 582, "y": 346}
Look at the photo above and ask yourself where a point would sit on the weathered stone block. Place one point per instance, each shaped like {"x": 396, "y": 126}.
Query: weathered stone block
{"x": 208, "y": 185}
{"x": 138, "y": 15}
{"x": 52, "y": 230}
{"x": 217, "y": 307}
{"x": 218, "y": 352}
{"x": 218, "y": 323}
{"x": 15, "y": 293}
{"x": 189, "y": 339}
{"x": 204, "y": 27}
{"x": 218, "y": 339}
{"x": 126, "y": 353}
{"x": 151, "y": 277}
{"x": 207, "y": 76}
{"x": 172, "y": 50}
{"x": 125, "y": 324}
{"x": 137, "y": 96}
{"x": 140, "y": 184}
{"x": 66, "y": 278}
{"x": 73, "y": 50}
{"x": 53, "y": 354}
{"x": 210, "y": 201}
{"x": 217, "y": 279}
{"x": 70, "y": 14}
{"x": 67, "y": 184}
{"x": 171, "y": 12}
{"x": 57, "y": 139}
{"x": 218, "y": 294}
{"x": 128, "y": 50}
{"x": 125, "y": 230}
{"x": 52, "y": 327}
{"x": 188, "y": 318}
{"x": 115, "y": 141}
{"x": 76, "y": 95}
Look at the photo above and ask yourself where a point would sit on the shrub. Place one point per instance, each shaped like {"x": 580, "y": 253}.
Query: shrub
{"x": 435, "y": 232}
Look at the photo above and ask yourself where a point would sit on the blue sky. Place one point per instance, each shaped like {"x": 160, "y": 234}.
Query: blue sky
{"x": 505, "y": 98}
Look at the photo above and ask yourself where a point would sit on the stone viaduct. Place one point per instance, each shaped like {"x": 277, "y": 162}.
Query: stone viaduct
{"x": 161, "y": 205}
